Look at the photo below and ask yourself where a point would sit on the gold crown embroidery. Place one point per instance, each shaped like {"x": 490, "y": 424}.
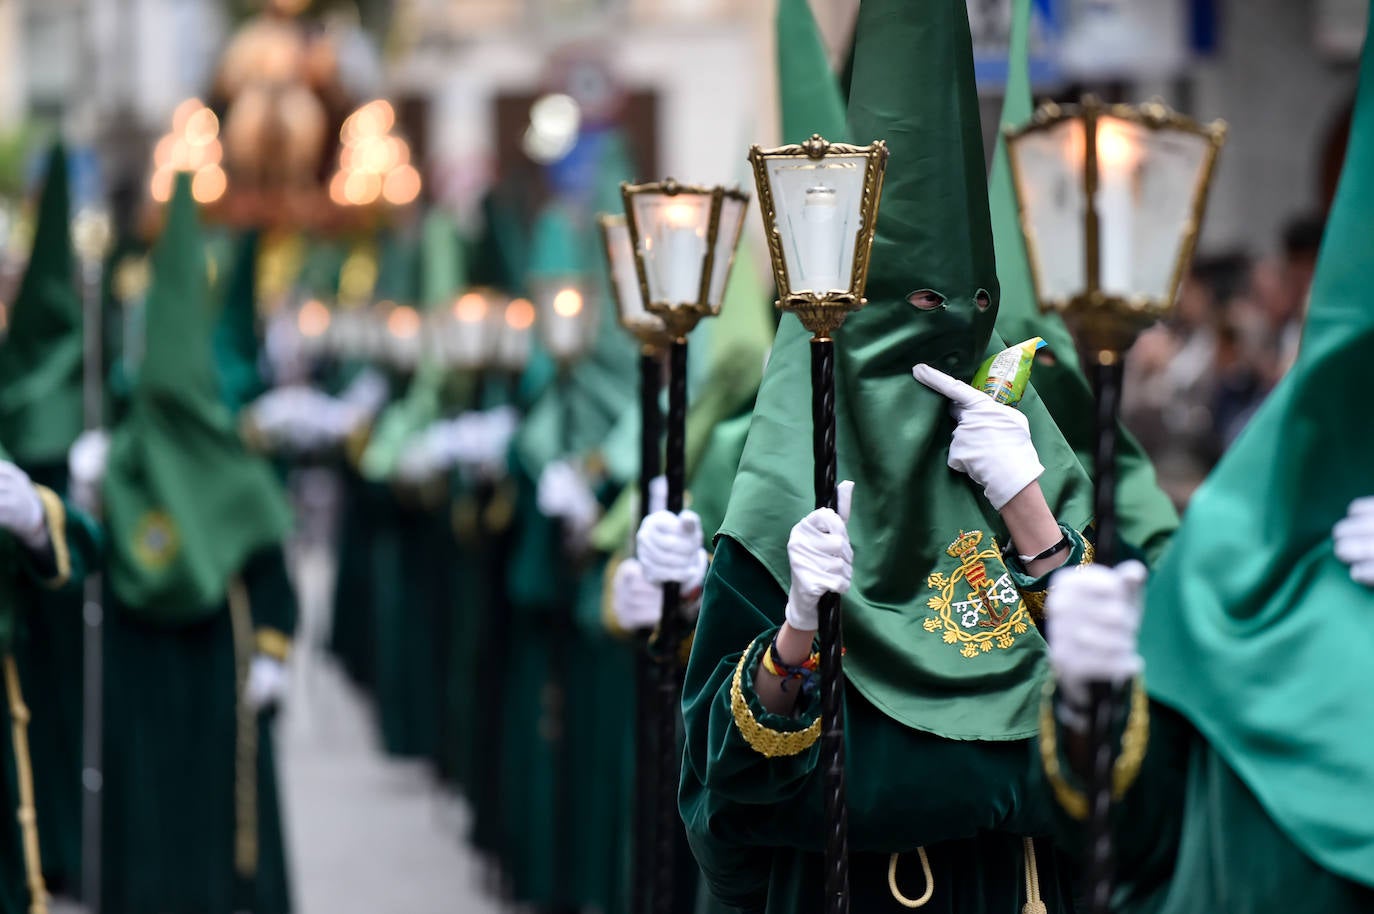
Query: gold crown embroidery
{"x": 155, "y": 540}
{"x": 975, "y": 608}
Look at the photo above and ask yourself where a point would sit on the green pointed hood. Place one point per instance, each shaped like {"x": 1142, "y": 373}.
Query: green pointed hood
{"x": 1253, "y": 629}
{"x": 40, "y": 359}
{"x": 1147, "y": 516}
{"x": 236, "y": 340}
{"x": 811, "y": 100}
{"x": 443, "y": 274}
{"x": 186, "y": 504}
{"x": 601, "y": 386}
{"x": 909, "y": 652}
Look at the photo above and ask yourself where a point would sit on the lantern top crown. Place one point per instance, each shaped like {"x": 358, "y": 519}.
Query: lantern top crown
{"x": 1154, "y": 115}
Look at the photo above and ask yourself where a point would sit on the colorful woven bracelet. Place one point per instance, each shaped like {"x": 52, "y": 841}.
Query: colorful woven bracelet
{"x": 805, "y": 672}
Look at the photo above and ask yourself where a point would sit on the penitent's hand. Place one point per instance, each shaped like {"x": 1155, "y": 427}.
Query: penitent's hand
{"x": 821, "y": 559}
{"x": 992, "y": 442}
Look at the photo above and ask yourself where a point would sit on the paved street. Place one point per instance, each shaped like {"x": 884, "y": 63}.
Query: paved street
{"x": 367, "y": 834}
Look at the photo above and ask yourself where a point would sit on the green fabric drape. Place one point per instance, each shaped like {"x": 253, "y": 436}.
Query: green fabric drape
{"x": 1253, "y": 630}
{"x": 236, "y": 340}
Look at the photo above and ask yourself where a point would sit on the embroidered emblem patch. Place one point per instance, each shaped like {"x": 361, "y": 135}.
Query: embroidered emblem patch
{"x": 155, "y": 540}
{"x": 975, "y": 606}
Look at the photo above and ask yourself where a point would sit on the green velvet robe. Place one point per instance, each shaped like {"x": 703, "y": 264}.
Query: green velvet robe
{"x": 42, "y": 591}
{"x": 172, "y": 783}
{"x": 1192, "y": 838}
{"x": 756, "y": 823}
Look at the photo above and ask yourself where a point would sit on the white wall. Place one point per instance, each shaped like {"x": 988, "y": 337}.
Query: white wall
{"x": 1279, "y": 96}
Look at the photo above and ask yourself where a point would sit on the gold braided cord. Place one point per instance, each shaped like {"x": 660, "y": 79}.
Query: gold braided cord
{"x": 1125, "y": 770}
{"x": 925, "y": 871}
{"x": 27, "y": 814}
{"x": 1033, "y": 905}
{"x": 766, "y": 741}
{"x": 246, "y": 741}
{"x": 273, "y": 643}
{"x": 55, "y": 513}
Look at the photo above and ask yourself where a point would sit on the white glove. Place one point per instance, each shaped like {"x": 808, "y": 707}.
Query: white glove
{"x": 669, "y": 546}
{"x": 267, "y": 683}
{"x": 273, "y": 412}
{"x": 1354, "y": 538}
{"x": 637, "y": 603}
{"x": 86, "y": 465}
{"x": 1092, "y": 617}
{"x": 563, "y": 494}
{"x": 992, "y": 441}
{"x": 21, "y": 510}
{"x": 498, "y": 426}
{"x": 420, "y": 460}
{"x": 367, "y": 392}
{"x": 821, "y": 558}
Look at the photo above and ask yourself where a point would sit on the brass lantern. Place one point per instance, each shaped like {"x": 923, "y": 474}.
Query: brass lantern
{"x": 819, "y": 202}
{"x": 468, "y": 334}
{"x": 1111, "y": 198}
{"x": 566, "y": 316}
{"x": 511, "y": 346}
{"x": 638, "y": 321}
{"x": 684, "y": 238}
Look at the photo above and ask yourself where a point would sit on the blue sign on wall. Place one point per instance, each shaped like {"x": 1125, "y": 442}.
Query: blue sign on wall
{"x": 990, "y": 21}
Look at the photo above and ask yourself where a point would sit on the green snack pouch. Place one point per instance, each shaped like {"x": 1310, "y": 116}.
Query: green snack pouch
{"x": 1004, "y": 376}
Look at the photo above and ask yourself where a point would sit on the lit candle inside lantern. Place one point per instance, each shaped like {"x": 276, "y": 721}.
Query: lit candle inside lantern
{"x": 514, "y": 344}
{"x": 467, "y": 337}
{"x": 821, "y": 241}
{"x": 677, "y": 261}
{"x": 564, "y": 331}
{"x": 1117, "y": 157}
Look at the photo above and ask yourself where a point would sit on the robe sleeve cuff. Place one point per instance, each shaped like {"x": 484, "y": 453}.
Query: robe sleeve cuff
{"x": 1069, "y": 791}
{"x": 271, "y": 642}
{"x": 770, "y": 735}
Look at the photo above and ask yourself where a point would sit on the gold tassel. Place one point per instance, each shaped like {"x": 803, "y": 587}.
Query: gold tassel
{"x": 246, "y": 743}
{"x": 1033, "y": 903}
{"x": 27, "y": 814}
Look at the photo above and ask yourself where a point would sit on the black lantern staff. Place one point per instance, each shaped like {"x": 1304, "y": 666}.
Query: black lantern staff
{"x": 1111, "y": 199}
{"x": 684, "y": 239}
{"x": 91, "y": 238}
{"x": 651, "y": 334}
{"x": 819, "y": 202}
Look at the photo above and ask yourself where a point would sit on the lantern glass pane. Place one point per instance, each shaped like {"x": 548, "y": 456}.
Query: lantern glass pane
{"x": 1148, "y": 184}
{"x": 672, "y": 240}
{"x": 728, "y": 231}
{"x": 819, "y": 207}
{"x": 467, "y": 330}
{"x": 620, "y": 257}
{"x": 567, "y": 318}
{"x": 1049, "y": 182}
{"x": 516, "y": 326}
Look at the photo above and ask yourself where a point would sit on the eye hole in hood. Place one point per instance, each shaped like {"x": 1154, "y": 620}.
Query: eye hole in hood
{"x": 926, "y": 300}
{"x": 982, "y": 299}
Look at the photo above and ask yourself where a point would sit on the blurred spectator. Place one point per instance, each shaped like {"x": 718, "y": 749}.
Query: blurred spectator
{"x": 1193, "y": 381}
